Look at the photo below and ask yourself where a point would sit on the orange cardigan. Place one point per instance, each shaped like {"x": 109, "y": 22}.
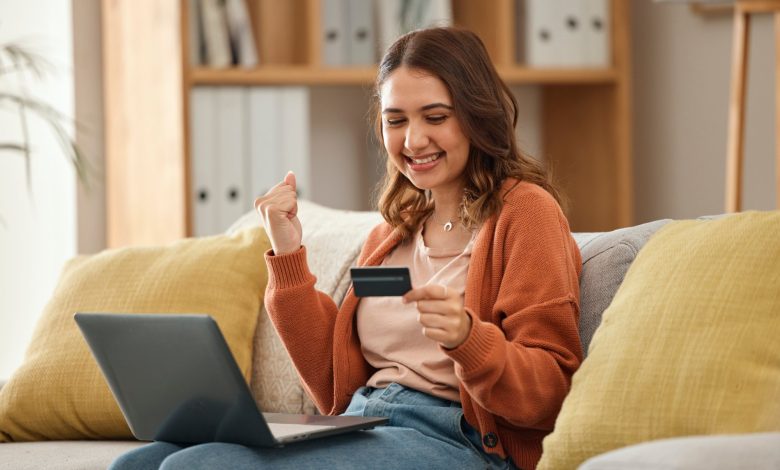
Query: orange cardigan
{"x": 522, "y": 293}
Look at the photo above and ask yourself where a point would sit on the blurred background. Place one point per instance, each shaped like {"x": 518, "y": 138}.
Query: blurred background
{"x": 184, "y": 110}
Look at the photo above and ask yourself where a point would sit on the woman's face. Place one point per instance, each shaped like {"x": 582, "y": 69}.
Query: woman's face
{"x": 421, "y": 134}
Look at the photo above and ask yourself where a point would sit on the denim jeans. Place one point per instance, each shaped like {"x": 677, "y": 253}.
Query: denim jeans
{"x": 423, "y": 432}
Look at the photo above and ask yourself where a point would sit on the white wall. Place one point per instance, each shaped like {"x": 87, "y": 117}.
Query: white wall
{"x": 681, "y": 73}
{"x": 39, "y": 231}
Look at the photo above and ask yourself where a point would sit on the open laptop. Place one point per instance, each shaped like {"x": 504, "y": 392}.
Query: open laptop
{"x": 175, "y": 380}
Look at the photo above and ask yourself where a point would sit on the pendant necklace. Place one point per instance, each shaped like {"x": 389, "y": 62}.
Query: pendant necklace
{"x": 447, "y": 226}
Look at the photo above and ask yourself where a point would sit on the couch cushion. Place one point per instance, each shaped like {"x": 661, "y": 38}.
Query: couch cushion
{"x": 333, "y": 239}
{"x": 688, "y": 345}
{"x": 63, "y": 455}
{"x": 605, "y": 260}
{"x": 59, "y": 392}
{"x": 759, "y": 451}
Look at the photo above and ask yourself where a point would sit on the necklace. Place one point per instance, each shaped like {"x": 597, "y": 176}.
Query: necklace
{"x": 447, "y": 226}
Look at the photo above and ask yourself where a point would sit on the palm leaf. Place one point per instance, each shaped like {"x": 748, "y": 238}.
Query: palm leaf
{"x": 14, "y": 58}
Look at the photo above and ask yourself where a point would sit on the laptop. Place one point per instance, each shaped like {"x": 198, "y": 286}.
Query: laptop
{"x": 175, "y": 380}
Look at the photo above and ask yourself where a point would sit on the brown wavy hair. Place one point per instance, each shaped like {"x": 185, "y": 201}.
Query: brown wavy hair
{"x": 486, "y": 110}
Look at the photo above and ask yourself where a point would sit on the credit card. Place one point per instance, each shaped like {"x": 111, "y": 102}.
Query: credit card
{"x": 381, "y": 281}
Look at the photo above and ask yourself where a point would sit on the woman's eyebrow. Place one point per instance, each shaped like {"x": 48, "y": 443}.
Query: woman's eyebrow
{"x": 424, "y": 108}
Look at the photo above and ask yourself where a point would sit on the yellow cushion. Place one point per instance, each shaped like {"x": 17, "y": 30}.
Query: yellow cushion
{"x": 59, "y": 392}
{"x": 690, "y": 344}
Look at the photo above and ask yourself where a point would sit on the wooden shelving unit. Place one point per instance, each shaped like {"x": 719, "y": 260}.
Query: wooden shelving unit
{"x": 585, "y": 117}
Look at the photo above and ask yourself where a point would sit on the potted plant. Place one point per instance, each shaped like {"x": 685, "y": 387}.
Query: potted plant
{"x": 17, "y": 61}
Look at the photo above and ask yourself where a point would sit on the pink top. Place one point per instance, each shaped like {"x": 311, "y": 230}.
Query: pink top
{"x": 390, "y": 335}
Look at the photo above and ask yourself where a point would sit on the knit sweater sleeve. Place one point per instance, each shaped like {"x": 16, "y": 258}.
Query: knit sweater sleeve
{"x": 307, "y": 322}
{"x": 519, "y": 357}
{"x": 304, "y": 318}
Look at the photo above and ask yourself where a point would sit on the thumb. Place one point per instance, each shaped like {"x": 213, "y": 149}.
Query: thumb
{"x": 290, "y": 179}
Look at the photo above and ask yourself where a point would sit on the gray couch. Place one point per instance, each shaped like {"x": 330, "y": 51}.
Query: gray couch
{"x": 333, "y": 247}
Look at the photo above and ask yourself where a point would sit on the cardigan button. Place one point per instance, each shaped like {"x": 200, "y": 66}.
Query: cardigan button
{"x": 490, "y": 440}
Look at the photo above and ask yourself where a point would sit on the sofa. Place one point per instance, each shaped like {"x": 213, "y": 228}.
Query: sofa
{"x": 333, "y": 239}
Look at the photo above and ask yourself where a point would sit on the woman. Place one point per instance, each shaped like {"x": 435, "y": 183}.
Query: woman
{"x": 472, "y": 365}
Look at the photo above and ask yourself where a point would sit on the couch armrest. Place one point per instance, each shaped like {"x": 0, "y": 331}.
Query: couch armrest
{"x": 3, "y": 382}
{"x": 734, "y": 452}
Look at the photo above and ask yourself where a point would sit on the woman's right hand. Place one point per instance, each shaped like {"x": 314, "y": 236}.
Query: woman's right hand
{"x": 279, "y": 210}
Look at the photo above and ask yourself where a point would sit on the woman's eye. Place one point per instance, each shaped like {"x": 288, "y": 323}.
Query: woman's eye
{"x": 394, "y": 121}
{"x": 437, "y": 119}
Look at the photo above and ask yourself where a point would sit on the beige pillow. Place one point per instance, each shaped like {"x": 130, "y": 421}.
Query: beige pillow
{"x": 689, "y": 345}
{"x": 59, "y": 392}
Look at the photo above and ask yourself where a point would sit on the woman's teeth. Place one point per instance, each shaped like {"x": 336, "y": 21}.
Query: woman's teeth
{"x": 421, "y": 161}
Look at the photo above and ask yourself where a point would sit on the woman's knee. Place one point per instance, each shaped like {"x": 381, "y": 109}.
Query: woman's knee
{"x": 147, "y": 457}
{"x": 206, "y": 456}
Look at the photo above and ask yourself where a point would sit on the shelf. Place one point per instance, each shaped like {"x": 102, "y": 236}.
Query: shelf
{"x": 305, "y": 75}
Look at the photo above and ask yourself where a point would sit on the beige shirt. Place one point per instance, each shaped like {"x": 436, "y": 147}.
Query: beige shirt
{"x": 390, "y": 335}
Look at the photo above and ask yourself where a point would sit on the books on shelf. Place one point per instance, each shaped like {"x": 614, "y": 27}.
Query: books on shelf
{"x": 566, "y": 33}
{"x": 221, "y": 34}
{"x": 244, "y": 140}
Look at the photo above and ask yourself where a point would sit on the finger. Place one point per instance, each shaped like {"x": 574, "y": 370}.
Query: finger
{"x": 428, "y": 292}
{"x": 436, "y": 334}
{"x": 433, "y": 320}
{"x": 439, "y": 307}
{"x": 290, "y": 179}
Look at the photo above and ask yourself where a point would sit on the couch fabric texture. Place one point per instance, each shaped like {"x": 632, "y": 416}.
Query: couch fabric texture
{"x": 687, "y": 346}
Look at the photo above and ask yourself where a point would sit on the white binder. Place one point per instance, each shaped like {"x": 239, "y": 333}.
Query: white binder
{"x": 232, "y": 175}
{"x": 264, "y": 154}
{"x": 279, "y": 134}
{"x": 596, "y": 33}
{"x": 361, "y": 38}
{"x": 540, "y": 38}
{"x": 568, "y": 37}
{"x": 334, "y": 32}
{"x": 203, "y": 168}
{"x": 295, "y": 121}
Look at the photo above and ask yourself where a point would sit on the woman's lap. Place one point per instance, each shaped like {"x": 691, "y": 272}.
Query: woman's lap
{"x": 423, "y": 432}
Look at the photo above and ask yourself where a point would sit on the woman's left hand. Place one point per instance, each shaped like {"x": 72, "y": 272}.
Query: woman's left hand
{"x": 441, "y": 314}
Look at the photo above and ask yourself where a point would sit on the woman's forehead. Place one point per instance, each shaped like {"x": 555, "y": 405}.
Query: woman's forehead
{"x": 410, "y": 89}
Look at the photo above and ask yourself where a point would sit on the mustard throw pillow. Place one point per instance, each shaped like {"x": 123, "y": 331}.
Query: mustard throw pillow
{"x": 59, "y": 392}
{"x": 690, "y": 344}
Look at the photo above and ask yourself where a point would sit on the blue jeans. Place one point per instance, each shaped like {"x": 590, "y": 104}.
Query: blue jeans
{"x": 423, "y": 432}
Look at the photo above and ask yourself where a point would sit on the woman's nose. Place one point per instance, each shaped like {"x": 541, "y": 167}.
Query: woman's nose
{"x": 416, "y": 138}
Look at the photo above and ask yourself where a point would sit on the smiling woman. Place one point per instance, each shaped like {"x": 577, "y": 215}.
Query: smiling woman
{"x": 495, "y": 297}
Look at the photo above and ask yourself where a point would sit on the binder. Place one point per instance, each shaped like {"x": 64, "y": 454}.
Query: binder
{"x": 278, "y": 136}
{"x": 596, "y": 33}
{"x": 264, "y": 153}
{"x": 568, "y": 27}
{"x": 361, "y": 37}
{"x": 240, "y": 31}
{"x": 232, "y": 175}
{"x": 294, "y": 119}
{"x": 203, "y": 169}
{"x": 215, "y": 34}
{"x": 334, "y": 33}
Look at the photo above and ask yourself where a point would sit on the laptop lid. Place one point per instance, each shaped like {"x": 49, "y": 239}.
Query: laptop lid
{"x": 175, "y": 380}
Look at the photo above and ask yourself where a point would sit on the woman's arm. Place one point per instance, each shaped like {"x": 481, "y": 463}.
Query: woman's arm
{"x": 521, "y": 370}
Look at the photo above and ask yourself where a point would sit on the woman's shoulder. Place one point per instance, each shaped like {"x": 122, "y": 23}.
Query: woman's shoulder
{"x": 526, "y": 196}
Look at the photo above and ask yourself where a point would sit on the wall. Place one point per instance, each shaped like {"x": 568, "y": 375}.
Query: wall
{"x": 681, "y": 76}
{"x": 39, "y": 229}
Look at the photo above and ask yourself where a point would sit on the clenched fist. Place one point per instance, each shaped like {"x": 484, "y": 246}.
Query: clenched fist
{"x": 279, "y": 210}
